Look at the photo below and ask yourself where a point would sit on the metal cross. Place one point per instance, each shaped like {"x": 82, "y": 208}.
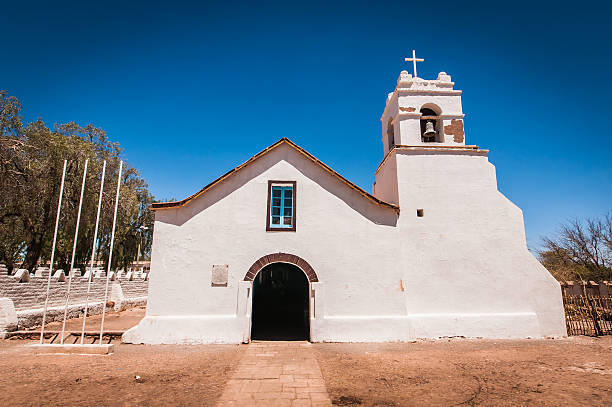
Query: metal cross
{"x": 414, "y": 60}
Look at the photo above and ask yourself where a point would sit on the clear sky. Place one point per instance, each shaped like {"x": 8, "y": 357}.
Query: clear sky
{"x": 191, "y": 90}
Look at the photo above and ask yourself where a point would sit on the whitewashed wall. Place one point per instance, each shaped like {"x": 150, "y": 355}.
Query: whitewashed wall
{"x": 381, "y": 278}
{"x": 468, "y": 255}
{"x": 342, "y": 235}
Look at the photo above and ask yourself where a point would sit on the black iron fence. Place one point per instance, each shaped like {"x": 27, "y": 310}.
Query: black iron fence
{"x": 588, "y": 314}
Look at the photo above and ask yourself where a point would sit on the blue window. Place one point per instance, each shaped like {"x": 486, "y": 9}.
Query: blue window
{"x": 281, "y": 209}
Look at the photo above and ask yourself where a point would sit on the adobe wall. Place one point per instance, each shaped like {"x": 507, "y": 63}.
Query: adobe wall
{"x": 29, "y": 297}
{"x": 592, "y": 288}
{"x": 346, "y": 238}
{"x": 468, "y": 251}
{"x": 453, "y": 272}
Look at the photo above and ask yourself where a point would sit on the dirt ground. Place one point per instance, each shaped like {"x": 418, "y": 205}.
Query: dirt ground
{"x": 568, "y": 372}
{"x": 170, "y": 375}
{"x": 573, "y": 371}
{"x": 113, "y": 321}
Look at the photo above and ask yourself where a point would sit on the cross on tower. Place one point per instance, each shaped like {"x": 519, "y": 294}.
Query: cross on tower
{"x": 414, "y": 60}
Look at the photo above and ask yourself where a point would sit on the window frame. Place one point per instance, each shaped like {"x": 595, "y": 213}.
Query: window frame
{"x": 293, "y": 185}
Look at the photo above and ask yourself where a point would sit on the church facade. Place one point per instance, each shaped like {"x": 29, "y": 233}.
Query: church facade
{"x": 283, "y": 247}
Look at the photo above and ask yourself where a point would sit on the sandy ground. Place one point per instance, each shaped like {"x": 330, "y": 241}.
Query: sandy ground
{"x": 113, "y": 321}
{"x": 569, "y": 372}
{"x": 170, "y": 375}
{"x": 573, "y": 371}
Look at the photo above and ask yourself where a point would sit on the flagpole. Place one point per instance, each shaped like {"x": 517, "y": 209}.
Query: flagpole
{"x": 93, "y": 253}
{"x": 110, "y": 255}
{"x": 76, "y": 236}
{"x": 59, "y": 207}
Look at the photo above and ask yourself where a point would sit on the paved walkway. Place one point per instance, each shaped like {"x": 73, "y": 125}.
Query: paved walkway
{"x": 274, "y": 374}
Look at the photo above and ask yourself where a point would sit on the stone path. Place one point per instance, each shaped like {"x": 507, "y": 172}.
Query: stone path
{"x": 274, "y": 374}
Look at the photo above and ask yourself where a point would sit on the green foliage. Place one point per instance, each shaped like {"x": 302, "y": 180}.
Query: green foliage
{"x": 31, "y": 161}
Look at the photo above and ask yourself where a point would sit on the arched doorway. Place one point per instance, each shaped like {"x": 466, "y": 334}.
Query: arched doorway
{"x": 280, "y": 308}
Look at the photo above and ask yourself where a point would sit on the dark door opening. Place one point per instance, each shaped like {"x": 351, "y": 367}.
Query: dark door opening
{"x": 280, "y": 304}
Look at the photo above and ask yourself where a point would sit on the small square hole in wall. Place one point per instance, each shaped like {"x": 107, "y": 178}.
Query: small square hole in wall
{"x": 420, "y": 213}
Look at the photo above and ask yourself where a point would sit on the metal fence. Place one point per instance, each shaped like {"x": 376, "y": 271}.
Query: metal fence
{"x": 588, "y": 314}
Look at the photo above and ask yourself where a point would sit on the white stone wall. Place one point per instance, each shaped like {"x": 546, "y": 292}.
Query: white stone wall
{"x": 29, "y": 297}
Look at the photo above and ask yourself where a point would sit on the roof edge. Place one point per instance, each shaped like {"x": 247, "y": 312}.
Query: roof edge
{"x": 168, "y": 205}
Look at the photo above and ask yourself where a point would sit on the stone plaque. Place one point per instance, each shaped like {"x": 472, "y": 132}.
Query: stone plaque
{"x": 219, "y": 275}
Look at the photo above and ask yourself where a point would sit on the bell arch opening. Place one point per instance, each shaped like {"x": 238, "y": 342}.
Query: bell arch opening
{"x": 430, "y": 125}
{"x": 280, "y": 308}
{"x": 390, "y": 134}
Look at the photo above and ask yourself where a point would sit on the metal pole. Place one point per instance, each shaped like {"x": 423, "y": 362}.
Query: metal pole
{"x": 59, "y": 207}
{"x": 110, "y": 255}
{"x": 74, "y": 244}
{"x": 93, "y": 253}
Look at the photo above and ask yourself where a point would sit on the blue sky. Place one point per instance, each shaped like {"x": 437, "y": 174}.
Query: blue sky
{"x": 190, "y": 90}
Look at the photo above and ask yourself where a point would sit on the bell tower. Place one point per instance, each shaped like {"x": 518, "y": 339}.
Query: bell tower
{"x": 422, "y": 112}
{"x": 456, "y": 232}
{"x": 423, "y": 140}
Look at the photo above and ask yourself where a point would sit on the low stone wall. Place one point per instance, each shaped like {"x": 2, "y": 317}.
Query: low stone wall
{"x": 31, "y": 294}
{"x": 28, "y": 297}
{"x": 33, "y": 317}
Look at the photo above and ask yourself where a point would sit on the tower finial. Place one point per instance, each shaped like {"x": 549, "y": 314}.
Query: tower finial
{"x": 414, "y": 60}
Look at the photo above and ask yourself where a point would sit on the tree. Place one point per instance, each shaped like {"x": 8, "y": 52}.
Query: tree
{"x": 581, "y": 251}
{"x": 11, "y": 226}
{"x": 31, "y": 161}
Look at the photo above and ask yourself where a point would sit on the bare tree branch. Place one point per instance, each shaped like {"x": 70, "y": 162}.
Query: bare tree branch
{"x": 581, "y": 249}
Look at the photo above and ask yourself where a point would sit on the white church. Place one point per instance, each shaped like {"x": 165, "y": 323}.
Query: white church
{"x": 284, "y": 247}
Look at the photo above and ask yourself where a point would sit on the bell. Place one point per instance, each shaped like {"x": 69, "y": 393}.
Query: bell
{"x": 430, "y": 131}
